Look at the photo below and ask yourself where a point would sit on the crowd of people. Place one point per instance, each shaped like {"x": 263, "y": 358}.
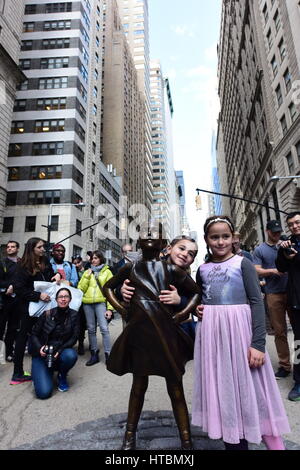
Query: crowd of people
{"x": 235, "y": 396}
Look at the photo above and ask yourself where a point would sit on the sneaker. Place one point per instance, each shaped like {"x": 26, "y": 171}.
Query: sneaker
{"x": 294, "y": 394}
{"x": 62, "y": 383}
{"x": 282, "y": 373}
{"x": 19, "y": 379}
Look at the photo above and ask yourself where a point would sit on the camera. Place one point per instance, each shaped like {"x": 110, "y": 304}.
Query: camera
{"x": 49, "y": 350}
{"x": 288, "y": 251}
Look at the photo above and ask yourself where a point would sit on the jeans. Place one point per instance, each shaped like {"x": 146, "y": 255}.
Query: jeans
{"x": 94, "y": 313}
{"x": 42, "y": 376}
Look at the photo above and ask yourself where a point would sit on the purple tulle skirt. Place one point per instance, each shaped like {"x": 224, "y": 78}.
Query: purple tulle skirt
{"x": 230, "y": 400}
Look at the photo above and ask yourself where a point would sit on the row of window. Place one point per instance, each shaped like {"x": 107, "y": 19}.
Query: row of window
{"x": 49, "y": 8}
{"x": 56, "y": 43}
{"x": 49, "y": 125}
{"x": 29, "y": 26}
{"x": 46, "y": 63}
{"x": 44, "y": 104}
{"x": 30, "y": 224}
{"x": 44, "y": 148}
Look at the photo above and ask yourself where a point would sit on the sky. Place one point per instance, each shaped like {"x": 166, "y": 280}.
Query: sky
{"x": 184, "y": 37}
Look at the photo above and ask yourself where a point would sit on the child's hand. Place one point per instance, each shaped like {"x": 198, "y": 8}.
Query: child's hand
{"x": 255, "y": 358}
{"x": 199, "y": 311}
{"x": 127, "y": 291}
{"x": 170, "y": 297}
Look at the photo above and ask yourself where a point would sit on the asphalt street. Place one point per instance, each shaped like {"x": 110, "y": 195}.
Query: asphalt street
{"x": 92, "y": 414}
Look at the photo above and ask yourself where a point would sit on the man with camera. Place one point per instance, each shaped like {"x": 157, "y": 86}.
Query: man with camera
{"x": 288, "y": 260}
{"x": 51, "y": 341}
{"x": 264, "y": 258}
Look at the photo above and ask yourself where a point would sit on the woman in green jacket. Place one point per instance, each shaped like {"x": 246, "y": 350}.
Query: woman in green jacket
{"x": 95, "y": 306}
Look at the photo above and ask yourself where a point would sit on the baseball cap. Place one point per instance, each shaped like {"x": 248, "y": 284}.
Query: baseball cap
{"x": 274, "y": 226}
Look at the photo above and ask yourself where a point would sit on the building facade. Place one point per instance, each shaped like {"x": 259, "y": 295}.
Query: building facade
{"x": 11, "y": 16}
{"x": 123, "y": 109}
{"x": 135, "y": 19}
{"x": 259, "y": 118}
{"x": 54, "y": 153}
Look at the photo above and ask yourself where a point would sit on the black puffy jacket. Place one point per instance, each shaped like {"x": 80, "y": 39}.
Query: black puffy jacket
{"x": 56, "y": 327}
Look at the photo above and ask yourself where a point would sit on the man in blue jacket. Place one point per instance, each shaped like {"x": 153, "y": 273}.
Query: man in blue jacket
{"x": 66, "y": 269}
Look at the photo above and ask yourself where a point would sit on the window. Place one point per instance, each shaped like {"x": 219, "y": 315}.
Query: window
{"x": 48, "y": 148}
{"x": 8, "y": 224}
{"x": 274, "y": 66}
{"x": 287, "y": 80}
{"x": 55, "y": 63}
{"x": 293, "y": 111}
{"x": 55, "y": 82}
{"x": 20, "y": 105}
{"x": 78, "y": 227}
{"x": 25, "y": 64}
{"x": 13, "y": 174}
{"x": 279, "y": 95}
{"x": 30, "y": 223}
{"x": 43, "y": 197}
{"x": 93, "y": 168}
{"x": 276, "y": 21}
{"x": 26, "y": 45}
{"x": 269, "y": 39}
{"x": 56, "y": 43}
{"x": 283, "y": 125}
{"x": 23, "y": 86}
{"x": 58, "y": 7}
{"x": 15, "y": 150}
{"x": 54, "y": 223}
{"x": 282, "y": 50}
{"x": 28, "y": 27}
{"x": 48, "y": 104}
{"x": 54, "y": 25}
{"x": 30, "y": 9}
{"x": 11, "y": 198}
{"x": 17, "y": 127}
{"x": 79, "y": 154}
{"x": 78, "y": 177}
{"x": 46, "y": 172}
{"x": 80, "y": 131}
{"x": 290, "y": 163}
{"x": 77, "y": 250}
{"x": 53, "y": 125}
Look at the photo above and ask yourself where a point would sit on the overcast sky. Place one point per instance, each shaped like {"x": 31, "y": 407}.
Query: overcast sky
{"x": 184, "y": 36}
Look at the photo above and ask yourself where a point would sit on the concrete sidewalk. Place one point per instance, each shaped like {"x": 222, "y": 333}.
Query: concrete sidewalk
{"x": 92, "y": 414}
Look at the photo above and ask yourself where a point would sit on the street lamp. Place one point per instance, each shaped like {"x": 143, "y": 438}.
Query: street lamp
{"x": 275, "y": 178}
{"x": 78, "y": 204}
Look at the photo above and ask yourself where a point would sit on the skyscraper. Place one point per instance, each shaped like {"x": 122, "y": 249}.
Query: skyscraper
{"x": 11, "y": 14}
{"x": 54, "y": 152}
{"x": 135, "y": 19}
{"x": 259, "y": 119}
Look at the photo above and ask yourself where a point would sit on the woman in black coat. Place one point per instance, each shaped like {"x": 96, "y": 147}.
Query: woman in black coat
{"x": 33, "y": 266}
{"x": 56, "y": 329}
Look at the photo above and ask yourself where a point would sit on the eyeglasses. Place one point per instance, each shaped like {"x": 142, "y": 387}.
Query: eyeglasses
{"x": 63, "y": 297}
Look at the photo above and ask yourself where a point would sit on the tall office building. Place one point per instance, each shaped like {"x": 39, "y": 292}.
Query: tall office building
{"x": 135, "y": 18}
{"x": 11, "y": 15}
{"x": 184, "y": 229}
{"x": 123, "y": 109}
{"x": 54, "y": 153}
{"x": 259, "y": 118}
{"x": 162, "y": 157}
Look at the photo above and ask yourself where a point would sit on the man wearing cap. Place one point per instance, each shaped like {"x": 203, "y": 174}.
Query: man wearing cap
{"x": 264, "y": 258}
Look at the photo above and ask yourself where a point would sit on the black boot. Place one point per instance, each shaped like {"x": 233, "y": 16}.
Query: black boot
{"x": 94, "y": 358}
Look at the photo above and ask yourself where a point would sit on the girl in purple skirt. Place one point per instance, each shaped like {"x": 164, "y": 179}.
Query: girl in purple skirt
{"x": 235, "y": 397}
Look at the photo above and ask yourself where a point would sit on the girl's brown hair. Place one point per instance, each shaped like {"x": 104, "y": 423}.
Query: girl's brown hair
{"x": 214, "y": 220}
{"x": 29, "y": 260}
{"x": 99, "y": 255}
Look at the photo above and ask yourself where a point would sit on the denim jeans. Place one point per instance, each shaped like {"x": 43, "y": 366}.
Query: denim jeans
{"x": 42, "y": 376}
{"x": 94, "y": 313}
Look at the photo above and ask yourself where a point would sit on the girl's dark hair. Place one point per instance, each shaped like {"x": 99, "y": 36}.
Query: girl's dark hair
{"x": 214, "y": 220}
{"x": 99, "y": 255}
{"x": 184, "y": 237}
{"x": 28, "y": 260}
{"x": 63, "y": 288}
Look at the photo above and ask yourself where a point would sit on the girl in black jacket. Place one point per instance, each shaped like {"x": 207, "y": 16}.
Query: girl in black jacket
{"x": 57, "y": 328}
{"x": 33, "y": 266}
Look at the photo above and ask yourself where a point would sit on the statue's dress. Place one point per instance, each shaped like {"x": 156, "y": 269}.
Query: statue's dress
{"x": 151, "y": 343}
